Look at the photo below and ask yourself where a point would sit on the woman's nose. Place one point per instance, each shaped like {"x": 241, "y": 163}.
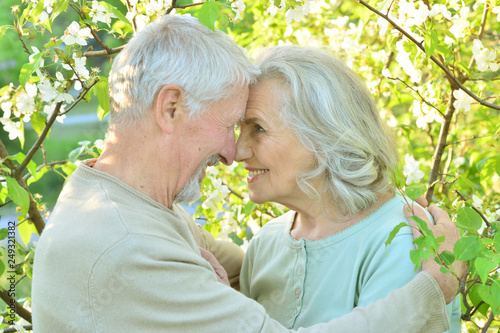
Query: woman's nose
{"x": 243, "y": 150}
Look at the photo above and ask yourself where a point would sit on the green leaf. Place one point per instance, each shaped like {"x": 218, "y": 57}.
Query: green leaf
{"x": 431, "y": 41}
{"x": 445, "y": 270}
{"x": 468, "y": 219}
{"x": 487, "y": 171}
{"x": 59, "y": 7}
{"x": 491, "y": 295}
{"x": 2, "y": 267}
{"x": 73, "y": 155}
{"x": 209, "y": 13}
{"x": 497, "y": 164}
{"x": 26, "y": 231}
{"x": 35, "y": 13}
{"x": 447, "y": 257}
{"x": 417, "y": 255}
{"x": 37, "y": 122}
{"x": 393, "y": 233}
{"x": 415, "y": 191}
{"x": 249, "y": 207}
{"x": 496, "y": 241}
{"x": 115, "y": 11}
{"x": 68, "y": 169}
{"x": 38, "y": 175}
{"x": 29, "y": 68}
{"x": 483, "y": 267}
{"x": 467, "y": 248}
{"x": 18, "y": 194}
{"x": 102, "y": 93}
{"x": 397, "y": 176}
{"x": 3, "y": 234}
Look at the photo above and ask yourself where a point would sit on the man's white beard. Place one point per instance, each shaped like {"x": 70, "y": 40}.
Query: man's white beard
{"x": 192, "y": 190}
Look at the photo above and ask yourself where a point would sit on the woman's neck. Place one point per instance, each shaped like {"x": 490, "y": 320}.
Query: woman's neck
{"x": 315, "y": 221}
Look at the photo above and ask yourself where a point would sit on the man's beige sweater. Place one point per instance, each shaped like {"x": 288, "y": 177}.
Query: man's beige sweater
{"x": 113, "y": 260}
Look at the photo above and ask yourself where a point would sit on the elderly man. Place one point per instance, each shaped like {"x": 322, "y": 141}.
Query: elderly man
{"x": 117, "y": 254}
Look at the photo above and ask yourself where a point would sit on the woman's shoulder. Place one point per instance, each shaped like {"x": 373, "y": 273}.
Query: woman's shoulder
{"x": 277, "y": 225}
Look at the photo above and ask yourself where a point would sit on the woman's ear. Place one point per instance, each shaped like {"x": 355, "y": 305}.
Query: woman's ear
{"x": 168, "y": 107}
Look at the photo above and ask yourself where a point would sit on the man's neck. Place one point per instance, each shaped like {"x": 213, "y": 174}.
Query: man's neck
{"x": 133, "y": 155}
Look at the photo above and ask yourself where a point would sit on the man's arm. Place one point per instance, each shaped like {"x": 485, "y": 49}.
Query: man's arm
{"x": 229, "y": 255}
{"x": 443, "y": 226}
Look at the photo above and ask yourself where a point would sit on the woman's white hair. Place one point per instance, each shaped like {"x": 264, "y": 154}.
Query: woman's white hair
{"x": 179, "y": 50}
{"x": 333, "y": 114}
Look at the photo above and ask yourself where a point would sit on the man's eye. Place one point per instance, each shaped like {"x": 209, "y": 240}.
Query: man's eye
{"x": 258, "y": 128}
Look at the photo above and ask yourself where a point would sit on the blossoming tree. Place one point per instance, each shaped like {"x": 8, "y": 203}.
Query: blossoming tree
{"x": 432, "y": 67}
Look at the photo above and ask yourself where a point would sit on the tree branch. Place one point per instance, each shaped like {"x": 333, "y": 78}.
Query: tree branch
{"x": 39, "y": 141}
{"x": 491, "y": 316}
{"x": 438, "y": 154}
{"x": 433, "y": 58}
{"x": 22, "y": 312}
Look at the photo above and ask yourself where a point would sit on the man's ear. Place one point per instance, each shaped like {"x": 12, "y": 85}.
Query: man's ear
{"x": 168, "y": 107}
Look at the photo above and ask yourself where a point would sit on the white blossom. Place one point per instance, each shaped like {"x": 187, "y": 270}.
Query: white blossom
{"x": 484, "y": 57}
{"x": 99, "y": 14}
{"x": 425, "y": 114}
{"x": 273, "y": 9}
{"x": 460, "y": 24}
{"x": 75, "y": 35}
{"x": 383, "y": 24}
{"x": 7, "y": 109}
{"x": 223, "y": 189}
{"x": 412, "y": 170}
{"x": 476, "y": 201}
{"x": 48, "y": 109}
{"x": 462, "y": 100}
{"x": 440, "y": 9}
{"x": 11, "y": 127}
{"x": 25, "y": 105}
{"x": 294, "y": 14}
{"x": 403, "y": 58}
{"x": 99, "y": 144}
{"x": 496, "y": 10}
{"x": 212, "y": 201}
{"x": 238, "y": 6}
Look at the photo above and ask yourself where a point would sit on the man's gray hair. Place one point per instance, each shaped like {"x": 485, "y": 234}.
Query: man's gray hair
{"x": 334, "y": 115}
{"x": 179, "y": 50}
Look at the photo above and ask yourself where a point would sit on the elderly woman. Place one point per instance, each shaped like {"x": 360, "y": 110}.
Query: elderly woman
{"x": 312, "y": 140}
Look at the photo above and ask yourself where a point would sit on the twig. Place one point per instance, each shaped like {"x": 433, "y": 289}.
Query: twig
{"x": 484, "y": 329}
{"x": 443, "y": 182}
{"x": 473, "y": 207}
{"x": 14, "y": 330}
{"x": 6, "y": 203}
{"x": 92, "y": 31}
{"x": 433, "y": 58}
{"x": 473, "y": 138}
{"x": 103, "y": 53}
{"x": 418, "y": 93}
{"x": 26, "y": 176}
{"x": 134, "y": 24}
{"x": 233, "y": 192}
{"x": 22, "y": 312}
{"x": 82, "y": 95}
